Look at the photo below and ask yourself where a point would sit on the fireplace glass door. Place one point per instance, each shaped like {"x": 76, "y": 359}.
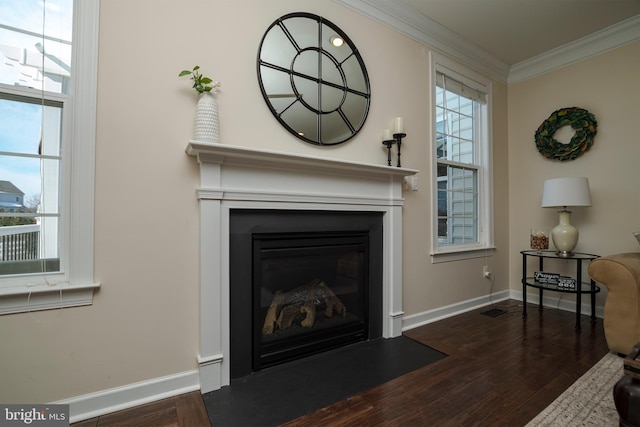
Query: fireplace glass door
{"x": 301, "y": 282}
{"x": 309, "y": 293}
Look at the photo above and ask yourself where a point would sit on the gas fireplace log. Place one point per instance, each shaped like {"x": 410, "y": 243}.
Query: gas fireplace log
{"x": 272, "y": 314}
{"x": 300, "y": 305}
{"x": 310, "y": 310}
{"x": 333, "y": 302}
{"x": 287, "y": 316}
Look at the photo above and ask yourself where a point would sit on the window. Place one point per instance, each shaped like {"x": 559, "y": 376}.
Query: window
{"x": 461, "y": 160}
{"x": 48, "y": 70}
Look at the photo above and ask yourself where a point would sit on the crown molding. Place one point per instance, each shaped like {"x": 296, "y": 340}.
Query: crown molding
{"x": 405, "y": 20}
{"x": 586, "y": 47}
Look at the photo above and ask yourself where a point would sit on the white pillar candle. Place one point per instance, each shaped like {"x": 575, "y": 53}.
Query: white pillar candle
{"x": 398, "y": 125}
{"x": 387, "y": 135}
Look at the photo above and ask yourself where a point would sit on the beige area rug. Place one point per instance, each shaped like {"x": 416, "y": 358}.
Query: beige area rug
{"x": 589, "y": 401}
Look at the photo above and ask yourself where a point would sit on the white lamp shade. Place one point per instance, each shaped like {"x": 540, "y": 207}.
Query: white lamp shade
{"x": 559, "y": 192}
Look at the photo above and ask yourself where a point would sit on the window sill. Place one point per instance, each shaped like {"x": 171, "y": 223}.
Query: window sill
{"x": 459, "y": 254}
{"x": 23, "y": 299}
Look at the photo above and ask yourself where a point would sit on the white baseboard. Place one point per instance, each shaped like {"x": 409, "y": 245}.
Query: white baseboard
{"x": 115, "y": 399}
{"x": 430, "y": 316}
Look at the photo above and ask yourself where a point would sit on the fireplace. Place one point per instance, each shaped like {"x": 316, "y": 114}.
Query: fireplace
{"x": 258, "y": 181}
{"x": 313, "y": 282}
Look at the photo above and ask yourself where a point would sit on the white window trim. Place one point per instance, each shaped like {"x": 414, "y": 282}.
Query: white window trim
{"x": 485, "y": 243}
{"x": 75, "y": 286}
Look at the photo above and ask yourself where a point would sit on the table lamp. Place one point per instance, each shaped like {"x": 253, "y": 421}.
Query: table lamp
{"x": 564, "y": 192}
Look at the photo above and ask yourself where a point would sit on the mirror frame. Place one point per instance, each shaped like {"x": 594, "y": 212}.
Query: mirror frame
{"x": 334, "y": 112}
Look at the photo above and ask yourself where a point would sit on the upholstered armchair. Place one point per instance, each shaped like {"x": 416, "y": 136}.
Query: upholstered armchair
{"x": 620, "y": 274}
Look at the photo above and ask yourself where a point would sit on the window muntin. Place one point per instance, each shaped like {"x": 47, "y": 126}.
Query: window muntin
{"x": 460, "y": 150}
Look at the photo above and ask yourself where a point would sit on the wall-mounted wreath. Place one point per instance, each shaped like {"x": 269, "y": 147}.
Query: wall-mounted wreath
{"x": 585, "y": 126}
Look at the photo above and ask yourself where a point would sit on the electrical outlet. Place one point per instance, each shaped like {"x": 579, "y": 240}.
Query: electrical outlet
{"x": 486, "y": 273}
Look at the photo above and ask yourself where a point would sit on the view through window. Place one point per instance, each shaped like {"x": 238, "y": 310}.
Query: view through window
{"x": 35, "y": 71}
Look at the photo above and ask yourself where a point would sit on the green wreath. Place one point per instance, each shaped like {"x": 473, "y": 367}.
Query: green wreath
{"x": 582, "y": 121}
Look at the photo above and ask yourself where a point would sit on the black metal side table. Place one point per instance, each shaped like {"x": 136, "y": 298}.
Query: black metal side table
{"x": 589, "y": 287}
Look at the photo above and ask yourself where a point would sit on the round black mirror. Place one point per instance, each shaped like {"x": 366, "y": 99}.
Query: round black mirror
{"x": 313, "y": 79}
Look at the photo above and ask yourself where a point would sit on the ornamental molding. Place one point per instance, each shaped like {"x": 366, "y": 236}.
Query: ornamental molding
{"x": 610, "y": 38}
{"x": 405, "y": 20}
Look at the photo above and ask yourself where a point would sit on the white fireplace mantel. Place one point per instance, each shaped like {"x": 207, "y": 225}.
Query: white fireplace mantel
{"x": 234, "y": 177}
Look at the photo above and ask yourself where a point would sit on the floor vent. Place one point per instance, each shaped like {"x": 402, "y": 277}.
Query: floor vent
{"x": 494, "y": 312}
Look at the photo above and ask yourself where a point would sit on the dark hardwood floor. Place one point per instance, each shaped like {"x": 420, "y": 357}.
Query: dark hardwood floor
{"x": 180, "y": 411}
{"x": 501, "y": 371}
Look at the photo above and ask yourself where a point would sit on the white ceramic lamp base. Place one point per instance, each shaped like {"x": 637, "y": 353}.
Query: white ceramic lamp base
{"x": 565, "y": 235}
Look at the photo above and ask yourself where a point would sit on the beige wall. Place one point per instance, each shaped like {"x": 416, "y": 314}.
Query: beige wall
{"x": 608, "y": 86}
{"x": 144, "y": 321}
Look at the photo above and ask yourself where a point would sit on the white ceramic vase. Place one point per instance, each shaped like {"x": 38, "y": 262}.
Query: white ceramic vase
{"x": 207, "y": 122}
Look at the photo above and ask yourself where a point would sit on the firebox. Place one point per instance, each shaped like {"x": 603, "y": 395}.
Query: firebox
{"x": 302, "y": 282}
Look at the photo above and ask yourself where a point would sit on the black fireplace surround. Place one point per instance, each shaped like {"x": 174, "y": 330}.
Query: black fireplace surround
{"x": 280, "y": 259}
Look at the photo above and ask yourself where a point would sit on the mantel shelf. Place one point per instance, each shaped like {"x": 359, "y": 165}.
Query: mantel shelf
{"x": 232, "y": 154}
